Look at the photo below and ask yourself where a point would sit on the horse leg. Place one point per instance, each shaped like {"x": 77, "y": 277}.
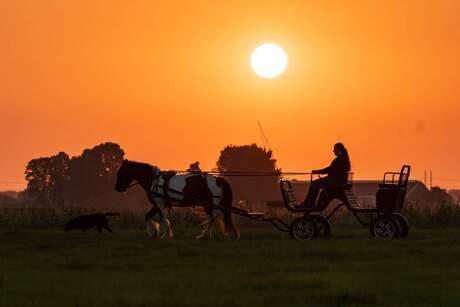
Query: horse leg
{"x": 211, "y": 223}
{"x": 151, "y": 226}
{"x": 226, "y": 204}
{"x": 152, "y": 212}
{"x": 170, "y": 232}
{"x": 207, "y": 230}
{"x": 164, "y": 228}
{"x": 158, "y": 204}
{"x": 206, "y": 233}
{"x": 219, "y": 217}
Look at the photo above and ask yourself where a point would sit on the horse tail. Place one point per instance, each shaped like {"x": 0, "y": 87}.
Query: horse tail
{"x": 226, "y": 204}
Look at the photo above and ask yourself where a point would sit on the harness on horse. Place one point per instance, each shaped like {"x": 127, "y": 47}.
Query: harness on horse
{"x": 166, "y": 176}
{"x": 166, "y": 190}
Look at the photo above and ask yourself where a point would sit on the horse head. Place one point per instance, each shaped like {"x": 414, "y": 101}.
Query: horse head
{"x": 130, "y": 171}
{"x": 125, "y": 176}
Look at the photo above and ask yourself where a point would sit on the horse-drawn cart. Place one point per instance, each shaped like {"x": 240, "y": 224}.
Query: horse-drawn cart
{"x": 384, "y": 221}
{"x": 212, "y": 191}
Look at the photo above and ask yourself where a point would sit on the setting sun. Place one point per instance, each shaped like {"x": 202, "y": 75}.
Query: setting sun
{"x": 314, "y": 132}
{"x": 269, "y": 61}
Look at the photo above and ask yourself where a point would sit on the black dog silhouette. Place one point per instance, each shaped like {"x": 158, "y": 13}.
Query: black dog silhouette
{"x": 85, "y": 222}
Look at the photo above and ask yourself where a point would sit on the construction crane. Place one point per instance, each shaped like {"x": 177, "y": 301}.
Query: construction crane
{"x": 264, "y": 138}
{"x": 265, "y": 142}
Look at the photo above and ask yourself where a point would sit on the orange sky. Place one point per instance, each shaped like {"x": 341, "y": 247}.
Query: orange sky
{"x": 170, "y": 82}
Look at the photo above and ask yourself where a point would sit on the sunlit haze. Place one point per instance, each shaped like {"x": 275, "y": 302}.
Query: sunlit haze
{"x": 172, "y": 84}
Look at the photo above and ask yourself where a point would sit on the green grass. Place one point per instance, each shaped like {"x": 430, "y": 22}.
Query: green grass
{"x": 263, "y": 268}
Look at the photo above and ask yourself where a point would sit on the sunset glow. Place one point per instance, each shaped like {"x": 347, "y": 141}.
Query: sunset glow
{"x": 269, "y": 61}
{"x": 171, "y": 82}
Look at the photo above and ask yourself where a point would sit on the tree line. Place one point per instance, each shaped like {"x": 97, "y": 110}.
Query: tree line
{"x": 58, "y": 179}
{"x": 89, "y": 178}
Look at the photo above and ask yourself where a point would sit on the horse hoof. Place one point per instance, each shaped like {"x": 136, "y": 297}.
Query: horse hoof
{"x": 234, "y": 235}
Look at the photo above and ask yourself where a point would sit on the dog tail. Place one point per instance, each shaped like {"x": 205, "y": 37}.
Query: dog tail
{"x": 111, "y": 214}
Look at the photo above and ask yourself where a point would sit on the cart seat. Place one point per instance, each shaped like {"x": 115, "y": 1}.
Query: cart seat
{"x": 290, "y": 200}
{"x": 394, "y": 179}
{"x": 289, "y": 196}
{"x": 392, "y": 192}
{"x": 341, "y": 192}
{"x": 351, "y": 197}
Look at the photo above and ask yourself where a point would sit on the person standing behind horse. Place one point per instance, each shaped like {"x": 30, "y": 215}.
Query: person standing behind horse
{"x": 337, "y": 174}
{"x": 194, "y": 168}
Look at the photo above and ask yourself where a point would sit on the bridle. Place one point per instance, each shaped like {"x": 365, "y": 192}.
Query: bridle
{"x": 155, "y": 179}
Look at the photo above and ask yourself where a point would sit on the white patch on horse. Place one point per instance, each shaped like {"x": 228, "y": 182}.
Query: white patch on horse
{"x": 210, "y": 192}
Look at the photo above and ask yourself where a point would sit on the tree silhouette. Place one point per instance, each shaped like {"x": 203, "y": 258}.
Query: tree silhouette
{"x": 94, "y": 172}
{"x": 82, "y": 179}
{"x": 441, "y": 196}
{"x": 250, "y": 158}
{"x": 48, "y": 178}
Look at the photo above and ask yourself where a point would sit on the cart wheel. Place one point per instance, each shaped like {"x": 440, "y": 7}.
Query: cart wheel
{"x": 385, "y": 227}
{"x": 304, "y": 228}
{"x": 403, "y": 223}
{"x": 324, "y": 227}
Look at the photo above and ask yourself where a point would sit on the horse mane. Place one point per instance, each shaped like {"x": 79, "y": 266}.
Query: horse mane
{"x": 135, "y": 163}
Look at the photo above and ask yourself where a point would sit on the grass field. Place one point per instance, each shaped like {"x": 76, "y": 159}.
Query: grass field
{"x": 264, "y": 268}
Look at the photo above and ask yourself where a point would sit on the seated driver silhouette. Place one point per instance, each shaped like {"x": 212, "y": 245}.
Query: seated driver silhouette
{"x": 337, "y": 174}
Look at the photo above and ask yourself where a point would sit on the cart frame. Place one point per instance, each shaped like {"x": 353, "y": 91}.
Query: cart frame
{"x": 376, "y": 218}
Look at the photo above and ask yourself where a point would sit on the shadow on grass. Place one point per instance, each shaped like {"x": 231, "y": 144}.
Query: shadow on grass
{"x": 13, "y": 232}
{"x": 188, "y": 253}
{"x": 41, "y": 247}
{"x": 289, "y": 285}
{"x": 345, "y": 299}
{"x": 324, "y": 255}
{"x": 78, "y": 265}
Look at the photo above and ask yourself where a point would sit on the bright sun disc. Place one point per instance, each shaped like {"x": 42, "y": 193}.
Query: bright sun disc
{"x": 269, "y": 61}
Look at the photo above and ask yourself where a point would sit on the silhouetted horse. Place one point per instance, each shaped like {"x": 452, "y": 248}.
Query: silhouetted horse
{"x": 166, "y": 189}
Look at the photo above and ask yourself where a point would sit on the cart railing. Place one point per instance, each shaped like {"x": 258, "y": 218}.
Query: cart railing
{"x": 398, "y": 179}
